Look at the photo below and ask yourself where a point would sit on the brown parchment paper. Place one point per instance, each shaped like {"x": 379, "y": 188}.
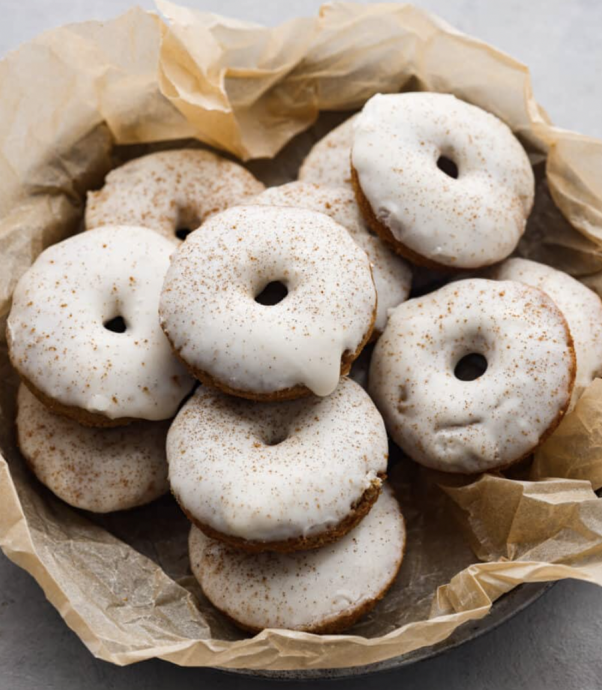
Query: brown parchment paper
{"x": 79, "y": 99}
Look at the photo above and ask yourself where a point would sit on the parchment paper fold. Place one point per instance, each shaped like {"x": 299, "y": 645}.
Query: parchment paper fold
{"x": 80, "y": 98}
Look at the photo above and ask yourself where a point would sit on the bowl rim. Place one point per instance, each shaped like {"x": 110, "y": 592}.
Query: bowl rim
{"x": 505, "y": 608}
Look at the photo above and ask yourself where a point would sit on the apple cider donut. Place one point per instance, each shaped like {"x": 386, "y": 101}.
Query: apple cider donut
{"x": 269, "y": 303}
{"x": 328, "y": 161}
{"x": 172, "y": 192}
{"x": 473, "y": 377}
{"x": 582, "y": 308}
{"x": 321, "y": 591}
{"x": 444, "y": 182}
{"x": 277, "y": 476}
{"x": 101, "y": 470}
{"x": 83, "y": 331}
{"x": 392, "y": 275}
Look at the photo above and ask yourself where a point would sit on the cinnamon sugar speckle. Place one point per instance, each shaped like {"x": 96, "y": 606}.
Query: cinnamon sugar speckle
{"x": 168, "y": 190}
{"x": 328, "y": 161}
{"x": 101, "y": 470}
{"x": 99, "y": 371}
{"x": 331, "y": 449}
{"x": 209, "y": 312}
{"x": 478, "y": 425}
{"x": 392, "y": 275}
{"x": 307, "y": 590}
{"x": 468, "y": 222}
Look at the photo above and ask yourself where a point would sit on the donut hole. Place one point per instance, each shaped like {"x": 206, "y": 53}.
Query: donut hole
{"x": 183, "y": 232}
{"x": 447, "y": 166}
{"x": 188, "y": 221}
{"x": 116, "y": 325}
{"x": 276, "y": 437}
{"x": 273, "y": 293}
{"x": 470, "y": 367}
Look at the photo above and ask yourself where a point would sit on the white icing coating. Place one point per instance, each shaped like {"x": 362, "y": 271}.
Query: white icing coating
{"x": 305, "y": 590}
{"x": 581, "y": 307}
{"x": 328, "y": 162}
{"x": 468, "y": 222}
{"x": 101, "y": 470}
{"x": 496, "y": 419}
{"x": 210, "y": 315}
{"x": 56, "y": 335}
{"x": 392, "y": 275}
{"x": 228, "y": 474}
{"x": 168, "y": 190}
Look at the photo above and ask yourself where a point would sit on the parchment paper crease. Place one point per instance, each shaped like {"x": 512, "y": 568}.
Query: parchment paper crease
{"x": 72, "y": 103}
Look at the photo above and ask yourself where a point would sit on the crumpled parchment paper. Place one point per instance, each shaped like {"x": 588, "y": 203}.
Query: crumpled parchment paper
{"x": 81, "y": 98}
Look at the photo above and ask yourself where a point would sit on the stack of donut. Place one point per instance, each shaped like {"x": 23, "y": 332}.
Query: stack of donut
{"x": 189, "y": 271}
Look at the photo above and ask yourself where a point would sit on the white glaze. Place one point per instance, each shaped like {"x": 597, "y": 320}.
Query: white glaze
{"x": 210, "y": 315}
{"x": 228, "y": 476}
{"x": 581, "y": 307}
{"x": 306, "y": 589}
{"x": 101, "y": 470}
{"x": 170, "y": 189}
{"x": 328, "y": 163}
{"x": 392, "y": 275}
{"x": 473, "y": 426}
{"x": 55, "y": 330}
{"x": 469, "y": 222}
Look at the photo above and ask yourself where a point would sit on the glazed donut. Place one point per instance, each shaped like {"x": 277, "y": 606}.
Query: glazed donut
{"x": 444, "y": 182}
{"x": 392, "y": 275}
{"x": 83, "y": 331}
{"x": 101, "y": 470}
{"x": 320, "y": 591}
{"x": 581, "y": 307}
{"x": 211, "y": 314}
{"x": 328, "y": 161}
{"x": 277, "y": 476}
{"x": 171, "y": 192}
{"x": 446, "y": 422}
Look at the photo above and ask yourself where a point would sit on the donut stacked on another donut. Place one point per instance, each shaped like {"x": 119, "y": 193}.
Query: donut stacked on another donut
{"x": 287, "y": 455}
{"x": 392, "y": 275}
{"x": 280, "y": 476}
{"x": 520, "y": 386}
{"x": 84, "y": 336}
{"x": 212, "y": 312}
{"x": 321, "y": 591}
{"x": 286, "y": 496}
{"x": 445, "y": 183}
{"x": 83, "y": 331}
{"x": 172, "y": 192}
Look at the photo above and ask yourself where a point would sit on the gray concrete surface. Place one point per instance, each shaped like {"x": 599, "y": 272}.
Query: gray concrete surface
{"x": 555, "y": 644}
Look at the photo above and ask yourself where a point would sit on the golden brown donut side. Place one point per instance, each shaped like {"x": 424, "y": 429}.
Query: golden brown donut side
{"x": 340, "y": 623}
{"x": 357, "y": 513}
{"x": 292, "y": 393}
{"x": 387, "y": 236}
{"x": 76, "y": 413}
